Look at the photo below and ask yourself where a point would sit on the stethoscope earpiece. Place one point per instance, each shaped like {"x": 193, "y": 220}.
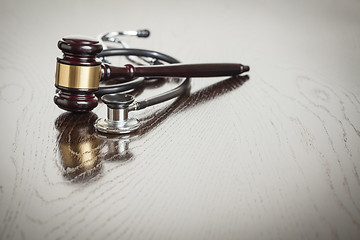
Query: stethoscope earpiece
{"x": 79, "y": 72}
{"x": 117, "y": 121}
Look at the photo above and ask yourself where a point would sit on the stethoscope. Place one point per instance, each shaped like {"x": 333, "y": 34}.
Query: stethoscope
{"x": 79, "y": 73}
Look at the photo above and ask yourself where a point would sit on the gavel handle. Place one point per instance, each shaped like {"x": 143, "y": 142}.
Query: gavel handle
{"x": 174, "y": 70}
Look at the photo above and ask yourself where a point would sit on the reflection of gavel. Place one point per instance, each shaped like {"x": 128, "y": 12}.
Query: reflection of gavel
{"x": 79, "y": 72}
{"x": 78, "y": 146}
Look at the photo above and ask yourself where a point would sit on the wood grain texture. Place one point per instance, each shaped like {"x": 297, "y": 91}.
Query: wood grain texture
{"x": 272, "y": 155}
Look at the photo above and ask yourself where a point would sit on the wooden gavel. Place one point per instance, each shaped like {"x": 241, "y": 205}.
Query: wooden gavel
{"x": 79, "y": 72}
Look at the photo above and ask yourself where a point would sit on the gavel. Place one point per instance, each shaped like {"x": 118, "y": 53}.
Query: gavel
{"x": 79, "y": 72}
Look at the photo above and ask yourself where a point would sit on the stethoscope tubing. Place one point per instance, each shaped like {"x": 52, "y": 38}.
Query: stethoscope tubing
{"x": 122, "y": 87}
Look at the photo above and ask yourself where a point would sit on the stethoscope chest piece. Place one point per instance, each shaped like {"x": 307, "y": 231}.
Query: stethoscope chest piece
{"x": 117, "y": 121}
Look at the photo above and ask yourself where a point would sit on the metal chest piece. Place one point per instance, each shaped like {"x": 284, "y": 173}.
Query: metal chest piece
{"x": 117, "y": 121}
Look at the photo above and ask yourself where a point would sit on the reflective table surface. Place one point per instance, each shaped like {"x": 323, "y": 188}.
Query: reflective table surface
{"x": 274, "y": 154}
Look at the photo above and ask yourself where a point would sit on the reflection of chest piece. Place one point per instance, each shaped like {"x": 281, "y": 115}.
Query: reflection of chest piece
{"x": 117, "y": 121}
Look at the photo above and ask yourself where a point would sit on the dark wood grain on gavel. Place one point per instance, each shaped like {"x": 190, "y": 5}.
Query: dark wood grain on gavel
{"x": 174, "y": 70}
{"x": 79, "y": 72}
{"x": 77, "y": 52}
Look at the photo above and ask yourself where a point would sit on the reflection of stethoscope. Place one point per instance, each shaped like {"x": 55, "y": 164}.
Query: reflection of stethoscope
{"x": 79, "y": 73}
{"x": 83, "y": 151}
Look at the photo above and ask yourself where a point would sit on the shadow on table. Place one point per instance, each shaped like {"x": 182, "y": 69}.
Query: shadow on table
{"x": 82, "y": 150}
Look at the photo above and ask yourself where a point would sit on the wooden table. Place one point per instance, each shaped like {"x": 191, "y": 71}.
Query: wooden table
{"x": 274, "y": 155}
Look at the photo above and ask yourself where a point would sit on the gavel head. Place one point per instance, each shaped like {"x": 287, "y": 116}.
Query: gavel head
{"x": 78, "y": 73}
